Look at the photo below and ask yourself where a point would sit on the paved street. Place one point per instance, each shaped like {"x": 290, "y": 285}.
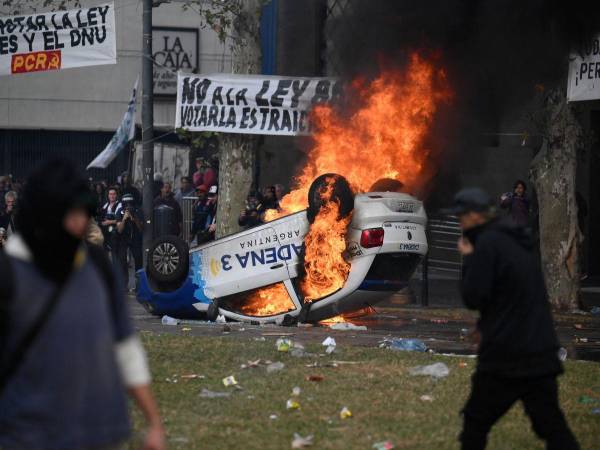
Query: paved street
{"x": 439, "y": 326}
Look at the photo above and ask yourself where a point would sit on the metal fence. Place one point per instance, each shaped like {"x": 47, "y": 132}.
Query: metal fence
{"x": 187, "y": 208}
{"x": 443, "y": 234}
{"x": 443, "y": 259}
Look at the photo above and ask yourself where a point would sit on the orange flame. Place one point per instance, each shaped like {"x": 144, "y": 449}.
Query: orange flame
{"x": 268, "y": 301}
{"x": 324, "y": 263}
{"x": 384, "y": 138}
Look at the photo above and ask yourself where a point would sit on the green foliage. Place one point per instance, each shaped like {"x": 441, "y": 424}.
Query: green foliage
{"x": 195, "y": 139}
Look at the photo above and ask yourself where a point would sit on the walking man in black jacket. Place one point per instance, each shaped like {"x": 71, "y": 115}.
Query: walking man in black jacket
{"x": 517, "y": 356}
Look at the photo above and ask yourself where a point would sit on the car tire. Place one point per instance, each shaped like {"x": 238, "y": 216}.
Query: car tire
{"x": 168, "y": 261}
{"x": 213, "y": 311}
{"x": 341, "y": 192}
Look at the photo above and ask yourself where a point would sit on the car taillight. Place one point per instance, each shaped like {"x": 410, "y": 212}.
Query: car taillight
{"x": 373, "y": 237}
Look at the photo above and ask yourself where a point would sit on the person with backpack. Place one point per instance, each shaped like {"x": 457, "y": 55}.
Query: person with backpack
{"x": 68, "y": 350}
{"x": 518, "y": 350}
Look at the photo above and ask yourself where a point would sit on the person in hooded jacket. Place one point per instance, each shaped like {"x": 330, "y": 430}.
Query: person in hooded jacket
{"x": 517, "y": 355}
{"x": 68, "y": 350}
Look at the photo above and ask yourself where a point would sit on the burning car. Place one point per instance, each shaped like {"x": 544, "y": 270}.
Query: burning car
{"x": 296, "y": 267}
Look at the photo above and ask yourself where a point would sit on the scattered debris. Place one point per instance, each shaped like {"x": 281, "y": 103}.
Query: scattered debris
{"x": 426, "y": 398}
{"x": 229, "y": 381}
{"x": 462, "y": 364}
{"x": 345, "y": 413}
{"x": 301, "y": 442}
{"x": 316, "y": 378}
{"x": 402, "y": 344}
{"x": 273, "y": 417}
{"x": 296, "y": 391}
{"x": 292, "y": 404}
{"x": 221, "y": 319}
{"x": 275, "y": 367}
{"x": 436, "y": 370}
{"x": 385, "y": 445}
{"x": 328, "y": 342}
{"x": 211, "y": 394}
{"x": 298, "y": 353}
{"x": 251, "y": 364}
{"x": 582, "y": 340}
{"x": 283, "y": 345}
{"x": 192, "y": 376}
{"x": 186, "y": 329}
{"x": 347, "y": 326}
{"x": 578, "y": 326}
{"x": 260, "y": 339}
{"x": 562, "y": 354}
{"x": 168, "y": 320}
{"x": 171, "y": 380}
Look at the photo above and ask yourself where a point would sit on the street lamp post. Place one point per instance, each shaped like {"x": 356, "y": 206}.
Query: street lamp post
{"x": 147, "y": 123}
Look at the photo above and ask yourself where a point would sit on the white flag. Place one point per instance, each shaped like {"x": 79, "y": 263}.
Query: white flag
{"x": 124, "y": 134}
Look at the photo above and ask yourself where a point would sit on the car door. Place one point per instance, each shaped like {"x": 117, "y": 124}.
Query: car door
{"x": 241, "y": 262}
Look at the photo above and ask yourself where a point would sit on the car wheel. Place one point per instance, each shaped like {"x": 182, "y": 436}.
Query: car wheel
{"x": 168, "y": 261}
{"x": 213, "y": 311}
{"x": 341, "y": 193}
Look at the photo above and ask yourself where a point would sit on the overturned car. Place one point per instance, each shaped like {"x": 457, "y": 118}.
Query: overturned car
{"x": 255, "y": 275}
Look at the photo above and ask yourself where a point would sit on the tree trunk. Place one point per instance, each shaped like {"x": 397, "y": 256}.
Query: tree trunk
{"x": 237, "y": 152}
{"x": 553, "y": 172}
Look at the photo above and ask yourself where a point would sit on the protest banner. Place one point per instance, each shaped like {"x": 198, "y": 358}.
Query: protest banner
{"x": 58, "y": 40}
{"x": 252, "y": 104}
{"x": 123, "y": 135}
{"x": 584, "y": 72}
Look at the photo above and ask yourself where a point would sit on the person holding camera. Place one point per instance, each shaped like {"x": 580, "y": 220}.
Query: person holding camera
{"x": 108, "y": 223}
{"x": 252, "y": 214}
{"x": 130, "y": 227}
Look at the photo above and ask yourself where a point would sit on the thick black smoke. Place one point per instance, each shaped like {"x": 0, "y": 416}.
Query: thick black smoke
{"x": 497, "y": 54}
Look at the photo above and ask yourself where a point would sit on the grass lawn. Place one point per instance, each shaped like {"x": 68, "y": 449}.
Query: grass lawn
{"x": 383, "y": 398}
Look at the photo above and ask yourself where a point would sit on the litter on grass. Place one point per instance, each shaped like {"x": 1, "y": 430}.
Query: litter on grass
{"x": 437, "y": 370}
{"x": 426, "y": 398}
{"x": 168, "y": 320}
{"x": 329, "y": 342}
{"x": 192, "y": 376}
{"x": 345, "y": 413}
{"x": 205, "y": 393}
{"x": 316, "y": 378}
{"x": 301, "y": 442}
{"x": 386, "y": 445}
{"x": 292, "y": 404}
{"x": 296, "y": 391}
{"x": 275, "y": 367}
{"x": 283, "y": 345}
{"x": 402, "y": 344}
{"x": 229, "y": 381}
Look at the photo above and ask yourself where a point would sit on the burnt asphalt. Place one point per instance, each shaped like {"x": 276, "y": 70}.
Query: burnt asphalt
{"x": 443, "y": 326}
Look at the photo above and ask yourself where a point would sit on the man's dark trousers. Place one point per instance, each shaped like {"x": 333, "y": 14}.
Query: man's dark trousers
{"x": 136, "y": 252}
{"x": 492, "y": 396}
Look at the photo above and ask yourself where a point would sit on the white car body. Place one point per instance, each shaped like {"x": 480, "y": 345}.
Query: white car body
{"x": 269, "y": 254}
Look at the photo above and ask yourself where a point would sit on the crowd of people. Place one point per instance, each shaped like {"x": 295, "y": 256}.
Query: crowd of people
{"x": 118, "y": 223}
